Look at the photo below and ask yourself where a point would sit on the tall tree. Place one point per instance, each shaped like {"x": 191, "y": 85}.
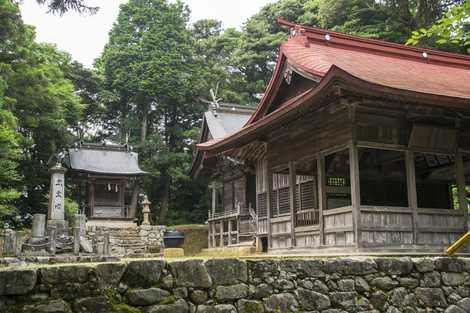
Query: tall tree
{"x": 151, "y": 69}
{"x": 63, "y": 6}
{"x": 37, "y": 102}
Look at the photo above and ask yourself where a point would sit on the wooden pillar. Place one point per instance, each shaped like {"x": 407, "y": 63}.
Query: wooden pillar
{"x": 214, "y": 242}
{"x": 221, "y": 234}
{"x": 292, "y": 185}
{"x": 214, "y": 198}
{"x": 229, "y": 232}
{"x": 461, "y": 186}
{"x": 209, "y": 235}
{"x": 355, "y": 192}
{"x": 322, "y": 204}
{"x": 238, "y": 229}
{"x": 269, "y": 186}
{"x": 411, "y": 187}
{"x": 124, "y": 211}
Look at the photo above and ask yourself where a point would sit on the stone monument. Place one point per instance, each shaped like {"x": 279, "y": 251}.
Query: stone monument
{"x": 38, "y": 228}
{"x": 56, "y": 215}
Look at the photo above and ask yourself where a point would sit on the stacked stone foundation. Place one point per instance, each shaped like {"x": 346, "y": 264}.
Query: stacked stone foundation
{"x": 337, "y": 285}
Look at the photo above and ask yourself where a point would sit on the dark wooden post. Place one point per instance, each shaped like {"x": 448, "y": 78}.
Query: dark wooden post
{"x": 292, "y": 185}
{"x": 221, "y": 234}
{"x": 322, "y": 204}
{"x": 460, "y": 175}
{"x": 355, "y": 192}
{"x": 411, "y": 187}
{"x": 269, "y": 186}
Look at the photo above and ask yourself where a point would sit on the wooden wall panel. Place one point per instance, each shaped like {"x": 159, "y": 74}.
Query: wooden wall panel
{"x": 386, "y": 238}
{"x": 311, "y": 134}
{"x": 307, "y": 240}
{"x": 338, "y": 227}
{"x": 386, "y": 226}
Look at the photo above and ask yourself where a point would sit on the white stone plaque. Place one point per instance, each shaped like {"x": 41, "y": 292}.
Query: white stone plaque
{"x": 56, "y": 201}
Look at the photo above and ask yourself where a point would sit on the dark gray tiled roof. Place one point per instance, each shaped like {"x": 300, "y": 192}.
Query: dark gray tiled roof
{"x": 100, "y": 160}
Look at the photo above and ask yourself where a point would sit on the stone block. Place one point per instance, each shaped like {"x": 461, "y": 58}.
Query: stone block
{"x": 143, "y": 273}
{"x": 431, "y": 279}
{"x": 384, "y": 283}
{"x": 424, "y": 265}
{"x": 431, "y": 297}
{"x": 190, "y": 273}
{"x": 250, "y": 306}
{"x": 262, "y": 291}
{"x": 98, "y": 304}
{"x": 394, "y": 266}
{"x": 64, "y": 274}
{"x": 446, "y": 264}
{"x": 281, "y": 303}
{"x": 227, "y": 271}
{"x": 199, "y": 296}
{"x": 350, "y": 267}
{"x": 346, "y": 285}
{"x": 262, "y": 268}
{"x": 56, "y": 306}
{"x": 17, "y": 282}
{"x": 454, "y": 279}
{"x": 109, "y": 274}
{"x": 311, "y": 300}
{"x": 230, "y": 293}
{"x": 180, "y": 306}
{"x": 145, "y": 297}
{"x": 344, "y": 300}
{"x": 303, "y": 268}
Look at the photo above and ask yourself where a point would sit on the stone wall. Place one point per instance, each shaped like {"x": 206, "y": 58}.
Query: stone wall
{"x": 336, "y": 285}
{"x": 142, "y": 239}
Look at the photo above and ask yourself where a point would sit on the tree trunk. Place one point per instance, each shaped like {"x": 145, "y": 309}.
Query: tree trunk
{"x": 136, "y": 190}
{"x": 165, "y": 195}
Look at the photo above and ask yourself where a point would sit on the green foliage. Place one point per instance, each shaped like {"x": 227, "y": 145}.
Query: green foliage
{"x": 153, "y": 78}
{"x": 451, "y": 32}
{"x": 62, "y": 6}
{"x": 71, "y": 208}
{"x": 38, "y": 111}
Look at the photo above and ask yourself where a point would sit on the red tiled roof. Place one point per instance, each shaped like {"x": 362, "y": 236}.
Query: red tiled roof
{"x": 382, "y": 64}
{"x": 408, "y": 71}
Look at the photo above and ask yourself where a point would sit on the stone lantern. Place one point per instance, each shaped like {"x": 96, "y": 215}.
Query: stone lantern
{"x": 146, "y": 211}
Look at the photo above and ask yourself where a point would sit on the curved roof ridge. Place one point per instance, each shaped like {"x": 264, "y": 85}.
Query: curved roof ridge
{"x": 376, "y": 45}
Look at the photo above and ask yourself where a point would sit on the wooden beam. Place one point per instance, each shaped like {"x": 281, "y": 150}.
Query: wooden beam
{"x": 355, "y": 192}
{"x": 292, "y": 185}
{"x": 461, "y": 186}
{"x": 322, "y": 204}
{"x": 412, "y": 195}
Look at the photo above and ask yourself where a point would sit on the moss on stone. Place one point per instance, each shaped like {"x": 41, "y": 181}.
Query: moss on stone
{"x": 250, "y": 307}
{"x": 112, "y": 295}
{"x": 124, "y": 308}
{"x": 169, "y": 300}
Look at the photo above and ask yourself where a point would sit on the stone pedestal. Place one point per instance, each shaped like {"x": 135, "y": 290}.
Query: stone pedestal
{"x": 146, "y": 211}
{"x": 80, "y": 222}
{"x": 38, "y": 230}
{"x": 56, "y": 212}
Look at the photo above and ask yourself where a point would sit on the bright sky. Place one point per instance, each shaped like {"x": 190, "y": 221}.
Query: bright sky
{"x": 85, "y": 36}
